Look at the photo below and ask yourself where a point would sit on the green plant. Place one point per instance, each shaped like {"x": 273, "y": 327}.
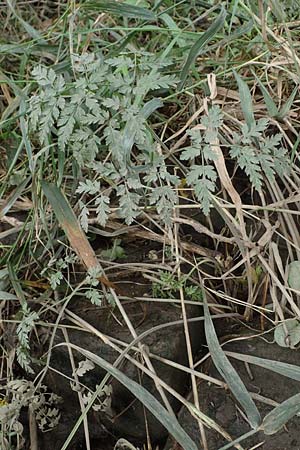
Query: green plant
{"x": 95, "y": 128}
{"x": 168, "y": 286}
{"x": 115, "y": 252}
{"x": 98, "y": 119}
{"x": 27, "y": 322}
{"x": 257, "y": 153}
{"x": 20, "y": 394}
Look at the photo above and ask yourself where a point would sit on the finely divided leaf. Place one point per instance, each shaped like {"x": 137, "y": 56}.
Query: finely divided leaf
{"x": 103, "y": 209}
{"x": 203, "y": 180}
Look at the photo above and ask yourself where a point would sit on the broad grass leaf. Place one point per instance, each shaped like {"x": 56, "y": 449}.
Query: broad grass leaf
{"x": 285, "y": 369}
{"x": 228, "y": 372}
{"x": 151, "y": 106}
{"x": 287, "y": 334}
{"x": 165, "y": 418}
{"x": 288, "y": 104}
{"x": 7, "y": 296}
{"x": 70, "y": 225}
{"x": 280, "y": 415}
{"x": 13, "y": 48}
{"x": 246, "y": 101}
{"x": 13, "y": 197}
{"x": 294, "y": 275}
{"x": 270, "y": 104}
{"x": 199, "y": 44}
{"x": 120, "y": 9}
{"x": 140, "y": 3}
{"x": 124, "y": 444}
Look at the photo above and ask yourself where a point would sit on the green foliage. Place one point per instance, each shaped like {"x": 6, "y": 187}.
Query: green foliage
{"x": 168, "y": 286}
{"x": 110, "y": 95}
{"x": 258, "y": 153}
{"x": 116, "y": 251}
{"x": 200, "y": 43}
{"x": 202, "y": 177}
{"x": 24, "y": 328}
{"x": 17, "y": 395}
{"x": 55, "y": 268}
{"x": 287, "y": 334}
{"x": 99, "y": 119}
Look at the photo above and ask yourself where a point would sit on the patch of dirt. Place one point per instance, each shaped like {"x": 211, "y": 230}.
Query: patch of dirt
{"x": 220, "y": 405}
{"x": 127, "y": 418}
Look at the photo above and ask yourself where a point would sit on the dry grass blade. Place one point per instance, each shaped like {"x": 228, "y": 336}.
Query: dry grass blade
{"x": 70, "y": 225}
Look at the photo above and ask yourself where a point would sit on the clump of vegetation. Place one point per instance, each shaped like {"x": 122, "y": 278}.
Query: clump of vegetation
{"x": 168, "y": 286}
{"x": 99, "y": 119}
{"x": 146, "y": 120}
{"x": 20, "y": 394}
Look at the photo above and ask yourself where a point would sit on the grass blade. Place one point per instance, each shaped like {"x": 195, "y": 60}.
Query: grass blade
{"x": 295, "y": 146}
{"x": 16, "y": 284}
{"x": 280, "y": 415}
{"x": 175, "y": 30}
{"x": 228, "y": 372}
{"x": 150, "y": 402}
{"x": 7, "y": 296}
{"x": 121, "y": 9}
{"x": 33, "y": 33}
{"x": 285, "y": 369}
{"x": 238, "y": 440}
{"x": 70, "y": 225}
{"x": 270, "y": 104}
{"x": 204, "y": 39}
{"x": 24, "y": 131}
{"x": 13, "y": 197}
{"x": 246, "y": 100}
{"x": 151, "y": 106}
{"x": 288, "y": 104}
